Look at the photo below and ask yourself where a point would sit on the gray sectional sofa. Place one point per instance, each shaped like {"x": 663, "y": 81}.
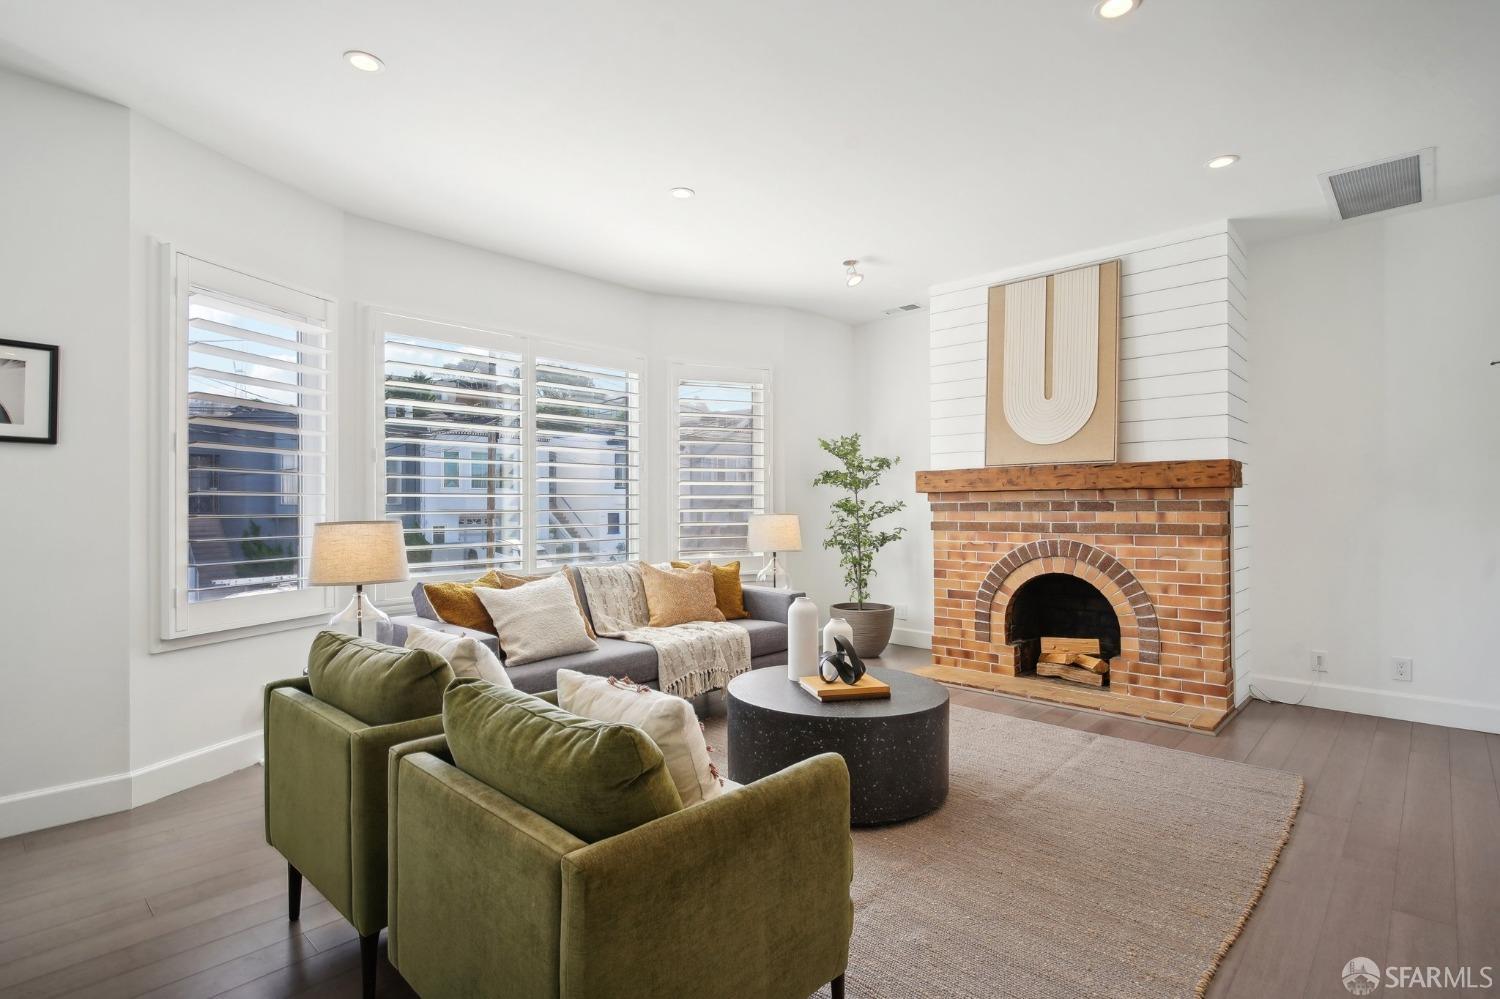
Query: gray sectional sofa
{"x": 766, "y": 625}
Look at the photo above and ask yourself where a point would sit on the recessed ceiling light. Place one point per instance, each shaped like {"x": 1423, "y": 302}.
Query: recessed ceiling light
{"x": 1111, "y": 9}
{"x": 683, "y": 192}
{"x": 363, "y": 61}
{"x": 852, "y": 277}
{"x": 1220, "y": 162}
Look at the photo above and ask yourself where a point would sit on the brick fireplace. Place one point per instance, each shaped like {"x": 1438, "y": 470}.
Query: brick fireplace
{"x": 1136, "y": 555}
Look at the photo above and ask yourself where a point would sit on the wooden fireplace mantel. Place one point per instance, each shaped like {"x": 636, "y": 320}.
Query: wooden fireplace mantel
{"x": 1216, "y": 473}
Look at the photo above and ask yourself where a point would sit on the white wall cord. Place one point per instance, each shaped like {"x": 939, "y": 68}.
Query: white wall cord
{"x": 1271, "y": 700}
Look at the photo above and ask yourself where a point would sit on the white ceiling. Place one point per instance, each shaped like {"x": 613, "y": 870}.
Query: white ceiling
{"x": 932, "y": 139}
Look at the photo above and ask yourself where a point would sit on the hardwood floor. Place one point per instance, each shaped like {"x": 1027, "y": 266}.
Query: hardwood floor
{"x": 1395, "y": 857}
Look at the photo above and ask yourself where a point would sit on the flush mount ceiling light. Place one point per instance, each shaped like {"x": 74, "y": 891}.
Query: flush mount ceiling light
{"x": 852, "y": 277}
{"x": 1220, "y": 162}
{"x": 363, "y": 61}
{"x": 1111, "y": 9}
{"x": 682, "y": 193}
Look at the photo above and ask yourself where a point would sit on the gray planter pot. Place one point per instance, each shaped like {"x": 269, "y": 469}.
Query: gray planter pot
{"x": 872, "y": 626}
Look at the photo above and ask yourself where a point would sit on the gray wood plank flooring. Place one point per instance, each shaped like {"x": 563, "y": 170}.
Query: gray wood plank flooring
{"x": 1395, "y": 857}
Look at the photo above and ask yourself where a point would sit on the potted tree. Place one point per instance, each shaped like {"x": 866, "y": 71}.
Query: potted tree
{"x": 852, "y": 534}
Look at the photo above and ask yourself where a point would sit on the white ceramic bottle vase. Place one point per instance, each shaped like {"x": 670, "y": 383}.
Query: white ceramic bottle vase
{"x": 837, "y": 627}
{"x": 801, "y": 639}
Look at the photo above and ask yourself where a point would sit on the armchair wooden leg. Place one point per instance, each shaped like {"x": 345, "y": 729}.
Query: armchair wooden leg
{"x": 838, "y": 987}
{"x": 293, "y": 893}
{"x": 369, "y": 950}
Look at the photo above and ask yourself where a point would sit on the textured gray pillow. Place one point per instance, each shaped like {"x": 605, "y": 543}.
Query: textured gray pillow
{"x": 536, "y": 621}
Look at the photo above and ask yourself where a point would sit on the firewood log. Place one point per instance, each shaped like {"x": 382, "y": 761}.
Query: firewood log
{"x": 1100, "y": 666}
{"x": 1089, "y": 646}
{"x": 1073, "y": 674}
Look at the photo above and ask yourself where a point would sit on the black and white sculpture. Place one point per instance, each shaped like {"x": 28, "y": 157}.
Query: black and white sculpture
{"x": 842, "y": 664}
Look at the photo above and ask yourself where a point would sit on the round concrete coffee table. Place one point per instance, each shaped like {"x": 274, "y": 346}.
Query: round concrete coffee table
{"x": 896, "y": 749}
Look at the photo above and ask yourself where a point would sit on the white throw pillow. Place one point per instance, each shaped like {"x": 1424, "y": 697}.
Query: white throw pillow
{"x": 536, "y": 621}
{"x": 467, "y": 655}
{"x": 667, "y": 719}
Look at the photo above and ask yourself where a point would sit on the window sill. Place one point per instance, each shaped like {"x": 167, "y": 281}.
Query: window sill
{"x": 159, "y": 645}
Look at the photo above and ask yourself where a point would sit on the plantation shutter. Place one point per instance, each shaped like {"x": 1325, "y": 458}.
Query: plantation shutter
{"x": 257, "y": 407}
{"x": 453, "y": 451}
{"x": 721, "y": 464}
{"x": 250, "y": 448}
{"x": 587, "y": 463}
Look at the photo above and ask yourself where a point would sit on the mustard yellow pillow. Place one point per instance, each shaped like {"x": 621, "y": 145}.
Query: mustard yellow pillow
{"x": 677, "y": 596}
{"x": 729, "y": 593}
{"x": 457, "y": 604}
{"x": 511, "y": 580}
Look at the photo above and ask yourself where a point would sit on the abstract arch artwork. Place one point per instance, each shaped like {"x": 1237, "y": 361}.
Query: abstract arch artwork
{"x": 1052, "y": 380}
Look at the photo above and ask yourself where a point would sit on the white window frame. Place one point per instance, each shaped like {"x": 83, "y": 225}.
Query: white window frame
{"x": 685, "y": 371}
{"x": 181, "y": 619}
{"x": 379, "y": 321}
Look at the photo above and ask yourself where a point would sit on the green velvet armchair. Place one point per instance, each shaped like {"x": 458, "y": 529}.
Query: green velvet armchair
{"x": 325, "y": 772}
{"x": 745, "y": 896}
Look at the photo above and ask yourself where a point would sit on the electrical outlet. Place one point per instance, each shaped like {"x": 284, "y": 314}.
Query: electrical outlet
{"x": 1318, "y": 659}
{"x": 900, "y": 612}
{"x": 1401, "y": 669}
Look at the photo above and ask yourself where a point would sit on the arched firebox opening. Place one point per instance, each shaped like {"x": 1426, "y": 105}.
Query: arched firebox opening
{"x": 1059, "y": 605}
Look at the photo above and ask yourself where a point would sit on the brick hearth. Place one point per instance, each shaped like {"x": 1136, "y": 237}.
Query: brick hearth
{"x": 1152, "y": 537}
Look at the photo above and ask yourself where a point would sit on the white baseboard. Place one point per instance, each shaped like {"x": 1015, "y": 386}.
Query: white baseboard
{"x": 912, "y": 638}
{"x": 158, "y": 780}
{"x": 1382, "y": 703}
{"x": 54, "y": 806}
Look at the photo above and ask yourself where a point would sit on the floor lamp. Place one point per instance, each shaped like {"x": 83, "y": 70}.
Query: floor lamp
{"x": 358, "y": 553}
{"x": 773, "y": 532}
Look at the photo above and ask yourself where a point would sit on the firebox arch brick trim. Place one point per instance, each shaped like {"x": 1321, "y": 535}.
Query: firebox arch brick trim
{"x": 1140, "y": 634}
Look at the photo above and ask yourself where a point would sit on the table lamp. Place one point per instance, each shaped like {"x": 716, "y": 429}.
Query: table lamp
{"x": 773, "y": 532}
{"x": 358, "y": 553}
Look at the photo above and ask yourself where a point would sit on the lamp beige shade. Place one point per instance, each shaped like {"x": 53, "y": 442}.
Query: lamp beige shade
{"x": 358, "y": 552}
{"x": 774, "y": 532}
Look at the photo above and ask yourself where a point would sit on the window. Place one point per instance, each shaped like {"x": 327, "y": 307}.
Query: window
{"x": 250, "y": 446}
{"x": 470, "y": 416}
{"x": 448, "y": 394}
{"x": 587, "y": 463}
{"x": 720, "y": 426}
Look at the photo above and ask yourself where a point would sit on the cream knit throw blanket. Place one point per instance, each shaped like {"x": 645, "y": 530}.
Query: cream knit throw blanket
{"x": 692, "y": 658}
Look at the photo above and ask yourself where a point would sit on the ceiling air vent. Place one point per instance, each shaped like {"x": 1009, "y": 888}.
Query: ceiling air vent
{"x": 909, "y": 307}
{"x": 1382, "y": 186}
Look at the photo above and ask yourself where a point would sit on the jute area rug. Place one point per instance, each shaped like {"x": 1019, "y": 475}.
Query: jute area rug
{"x": 1064, "y": 864}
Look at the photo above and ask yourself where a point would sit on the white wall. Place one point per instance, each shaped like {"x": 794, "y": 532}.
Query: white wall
{"x": 64, "y": 523}
{"x": 190, "y": 698}
{"x": 99, "y": 185}
{"x": 1378, "y": 465}
{"x": 890, "y": 363}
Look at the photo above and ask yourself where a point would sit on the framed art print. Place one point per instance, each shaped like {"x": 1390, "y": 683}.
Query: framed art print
{"x": 28, "y": 392}
{"x": 1052, "y": 379}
